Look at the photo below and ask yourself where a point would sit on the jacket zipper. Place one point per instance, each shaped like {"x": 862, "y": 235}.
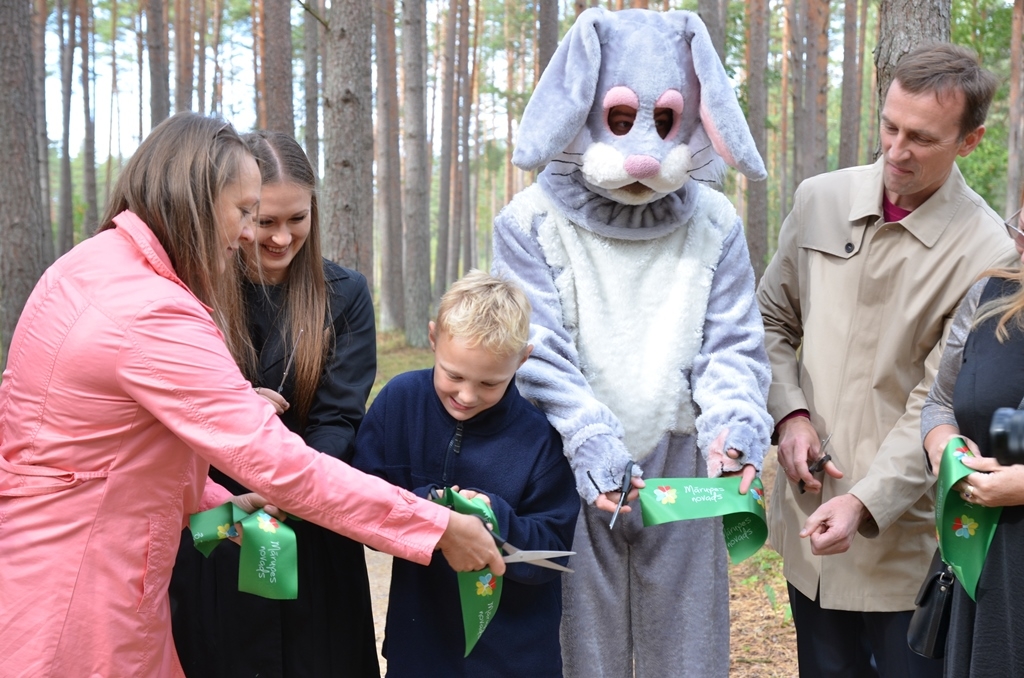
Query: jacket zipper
{"x": 454, "y": 447}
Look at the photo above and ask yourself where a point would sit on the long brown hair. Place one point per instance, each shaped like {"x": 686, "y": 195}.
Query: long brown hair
{"x": 306, "y": 305}
{"x": 1009, "y": 309}
{"x": 172, "y": 183}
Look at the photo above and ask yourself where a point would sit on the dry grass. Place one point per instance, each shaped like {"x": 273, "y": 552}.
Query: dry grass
{"x": 763, "y": 641}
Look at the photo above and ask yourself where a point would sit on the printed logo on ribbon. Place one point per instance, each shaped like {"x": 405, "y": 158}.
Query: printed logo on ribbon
{"x": 486, "y": 584}
{"x": 665, "y": 494}
{"x": 964, "y": 526}
{"x": 267, "y": 523}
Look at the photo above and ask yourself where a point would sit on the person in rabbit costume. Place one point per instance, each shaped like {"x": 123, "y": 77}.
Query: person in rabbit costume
{"x": 648, "y": 341}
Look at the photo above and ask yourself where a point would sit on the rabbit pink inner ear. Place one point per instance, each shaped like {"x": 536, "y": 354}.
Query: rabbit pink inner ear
{"x": 715, "y": 136}
{"x": 620, "y": 96}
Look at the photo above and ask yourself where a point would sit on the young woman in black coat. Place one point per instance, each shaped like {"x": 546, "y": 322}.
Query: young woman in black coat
{"x": 296, "y": 303}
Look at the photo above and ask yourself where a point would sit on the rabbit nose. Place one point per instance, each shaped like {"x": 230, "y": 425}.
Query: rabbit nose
{"x": 642, "y": 166}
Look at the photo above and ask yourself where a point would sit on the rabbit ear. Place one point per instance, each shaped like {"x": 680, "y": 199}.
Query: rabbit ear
{"x": 720, "y": 112}
{"x": 561, "y": 102}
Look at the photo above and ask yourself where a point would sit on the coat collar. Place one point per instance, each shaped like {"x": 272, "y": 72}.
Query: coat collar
{"x": 139, "y": 234}
{"x": 926, "y": 223}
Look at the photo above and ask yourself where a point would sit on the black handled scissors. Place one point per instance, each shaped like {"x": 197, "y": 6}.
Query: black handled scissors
{"x": 819, "y": 465}
{"x": 627, "y": 483}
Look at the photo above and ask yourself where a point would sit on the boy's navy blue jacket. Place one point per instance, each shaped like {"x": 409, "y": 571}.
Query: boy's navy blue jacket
{"x": 511, "y": 453}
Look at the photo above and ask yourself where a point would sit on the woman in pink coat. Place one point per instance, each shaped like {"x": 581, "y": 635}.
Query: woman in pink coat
{"x": 119, "y": 392}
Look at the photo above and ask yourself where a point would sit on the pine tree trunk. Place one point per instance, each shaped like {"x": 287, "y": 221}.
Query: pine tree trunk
{"x": 417, "y": 197}
{"x": 783, "y": 136}
{"x": 904, "y": 25}
{"x": 311, "y": 83}
{"x": 277, "y": 66}
{"x": 796, "y": 17}
{"x": 159, "y": 68}
{"x": 460, "y": 142}
{"x": 140, "y": 51}
{"x": 89, "y": 144}
{"x": 40, "y": 14}
{"x": 23, "y": 229}
{"x": 441, "y": 267}
{"x": 347, "y": 204}
{"x": 67, "y": 20}
{"x": 203, "y": 24}
{"x": 217, "y": 88}
{"x": 849, "y": 125}
{"x": 757, "y": 114}
{"x": 258, "y": 50}
{"x": 547, "y": 33}
{"x": 114, "y": 107}
{"x": 861, "y": 46}
{"x": 817, "y": 81}
{"x": 184, "y": 55}
{"x": 389, "y": 171}
{"x": 714, "y": 14}
{"x": 1014, "y": 182}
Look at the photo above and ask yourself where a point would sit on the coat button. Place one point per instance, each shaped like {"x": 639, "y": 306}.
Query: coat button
{"x": 849, "y": 247}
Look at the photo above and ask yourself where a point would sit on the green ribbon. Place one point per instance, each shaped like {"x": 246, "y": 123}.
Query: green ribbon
{"x": 965, "y": 530}
{"x": 480, "y": 591}
{"x": 268, "y": 565}
{"x": 665, "y": 500}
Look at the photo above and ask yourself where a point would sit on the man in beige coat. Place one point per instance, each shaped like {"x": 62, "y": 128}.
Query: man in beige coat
{"x": 871, "y": 265}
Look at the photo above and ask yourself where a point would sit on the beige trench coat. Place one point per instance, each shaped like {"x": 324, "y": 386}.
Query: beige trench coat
{"x": 855, "y": 313}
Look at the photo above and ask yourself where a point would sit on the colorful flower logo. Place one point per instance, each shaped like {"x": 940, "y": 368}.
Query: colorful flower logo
{"x": 226, "y": 530}
{"x": 758, "y": 495}
{"x": 266, "y": 523}
{"x": 962, "y": 451}
{"x": 964, "y": 527}
{"x": 665, "y": 494}
{"x": 486, "y": 584}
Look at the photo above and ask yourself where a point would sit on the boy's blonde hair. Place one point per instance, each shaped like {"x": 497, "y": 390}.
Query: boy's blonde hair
{"x": 487, "y": 311}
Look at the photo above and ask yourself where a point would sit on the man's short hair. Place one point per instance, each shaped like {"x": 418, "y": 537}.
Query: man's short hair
{"x": 484, "y": 310}
{"x": 944, "y": 68}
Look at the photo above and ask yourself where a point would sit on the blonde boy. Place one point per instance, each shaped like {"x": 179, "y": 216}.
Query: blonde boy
{"x": 464, "y": 423}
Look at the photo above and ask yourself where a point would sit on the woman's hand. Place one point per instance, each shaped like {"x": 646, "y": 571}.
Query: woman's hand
{"x": 468, "y": 546}
{"x": 936, "y": 440}
{"x": 251, "y": 502}
{"x": 992, "y": 484}
{"x": 275, "y": 398}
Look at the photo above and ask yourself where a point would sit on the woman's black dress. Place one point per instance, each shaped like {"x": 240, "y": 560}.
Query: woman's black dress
{"x": 220, "y": 632}
{"x": 986, "y": 638}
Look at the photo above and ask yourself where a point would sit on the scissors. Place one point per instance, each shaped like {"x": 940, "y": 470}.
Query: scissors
{"x": 819, "y": 465}
{"x": 627, "y": 483}
{"x": 516, "y": 555}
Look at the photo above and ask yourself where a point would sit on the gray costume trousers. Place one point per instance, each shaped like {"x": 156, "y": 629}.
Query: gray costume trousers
{"x": 655, "y": 599}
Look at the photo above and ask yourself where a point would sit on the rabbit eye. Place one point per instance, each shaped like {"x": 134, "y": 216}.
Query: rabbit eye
{"x": 620, "y": 119}
{"x": 664, "y": 118}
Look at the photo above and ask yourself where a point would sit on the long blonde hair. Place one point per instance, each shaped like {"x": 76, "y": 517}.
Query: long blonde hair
{"x": 1009, "y": 309}
{"x": 172, "y": 183}
{"x": 306, "y": 304}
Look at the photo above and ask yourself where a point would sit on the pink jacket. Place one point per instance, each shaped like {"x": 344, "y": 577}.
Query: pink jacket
{"x": 118, "y": 394}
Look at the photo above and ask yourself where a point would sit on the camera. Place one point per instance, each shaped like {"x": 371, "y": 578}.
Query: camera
{"x": 1006, "y": 435}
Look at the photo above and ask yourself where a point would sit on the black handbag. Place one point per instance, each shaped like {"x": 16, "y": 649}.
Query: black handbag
{"x": 926, "y": 634}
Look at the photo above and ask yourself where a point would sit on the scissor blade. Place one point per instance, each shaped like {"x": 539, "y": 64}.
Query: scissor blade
{"x": 539, "y": 558}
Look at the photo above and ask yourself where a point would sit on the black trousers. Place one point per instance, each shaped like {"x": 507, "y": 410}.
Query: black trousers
{"x": 846, "y": 644}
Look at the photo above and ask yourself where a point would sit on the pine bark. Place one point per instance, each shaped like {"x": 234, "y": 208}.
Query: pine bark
{"x": 277, "y": 66}
{"x": 217, "y": 87}
{"x": 441, "y": 267}
{"x": 203, "y": 25}
{"x": 159, "y": 66}
{"x": 849, "y": 121}
{"x": 547, "y": 33}
{"x": 311, "y": 83}
{"x": 91, "y": 218}
{"x": 904, "y": 25}
{"x": 347, "y": 205}
{"x": 23, "y": 229}
{"x": 757, "y": 114}
{"x": 417, "y": 197}
{"x": 1014, "y": 180}
{"x": 39, "y": 16}
{"x": 816, "y": 87}
{"x": 184, "y": 53}
{"x": 389, "y": 170}
{"x": 67, "y": 21}
{"x": 714, "y": 14}
{"x": 258, "y": 47}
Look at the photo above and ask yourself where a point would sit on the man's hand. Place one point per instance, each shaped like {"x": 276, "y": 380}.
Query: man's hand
{"x": 467, "y": 546}
{"x": 834, "y": 525}
{"x": 799, "y": 447}
{"x": 609, "y": 500}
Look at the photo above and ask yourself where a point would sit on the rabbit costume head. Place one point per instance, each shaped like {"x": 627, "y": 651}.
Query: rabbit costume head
{"x": 639, "y": 103}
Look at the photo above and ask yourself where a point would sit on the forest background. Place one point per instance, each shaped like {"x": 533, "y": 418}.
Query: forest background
{"x": 409, "y": 109}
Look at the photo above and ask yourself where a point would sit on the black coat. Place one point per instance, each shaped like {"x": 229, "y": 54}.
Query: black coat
{"x": 328, "y": 631}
